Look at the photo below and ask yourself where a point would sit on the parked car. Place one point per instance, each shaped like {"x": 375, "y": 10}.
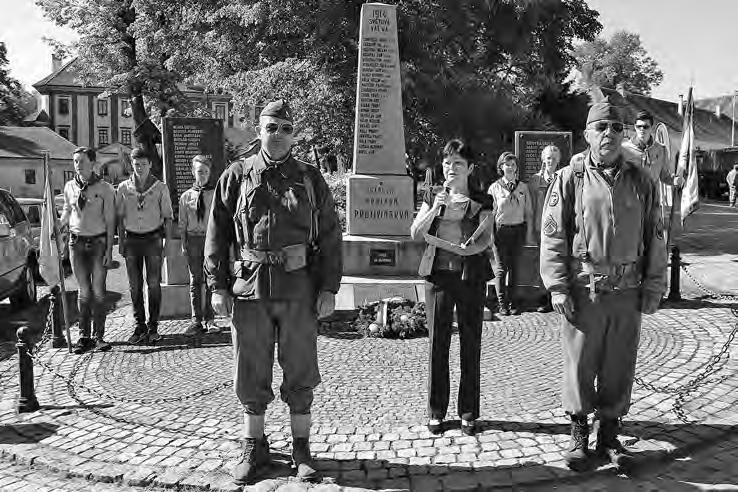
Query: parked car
{"x": 32, "y": 208}
{"x": 17, "y": 254}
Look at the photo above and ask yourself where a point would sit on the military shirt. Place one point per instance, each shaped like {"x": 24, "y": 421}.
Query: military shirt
{"x": 618, "y": 224}
{"x": 273, "y": 211}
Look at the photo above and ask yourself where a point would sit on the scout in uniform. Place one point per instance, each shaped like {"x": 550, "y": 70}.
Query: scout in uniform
{"x": 144, "y": 220}
{"x": 89, "y": 213}
{"x": 603, "y": 260}
{"x": 194, "y": 210}
{"x": 279, "y": 214}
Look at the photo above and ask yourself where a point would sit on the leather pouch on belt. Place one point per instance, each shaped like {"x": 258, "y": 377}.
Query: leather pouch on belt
{"x": 295, "y": 257}
{"x": 245, "y": 273}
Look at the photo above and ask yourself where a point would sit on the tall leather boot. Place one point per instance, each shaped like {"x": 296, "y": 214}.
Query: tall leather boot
{"x": 302, "y": 460}
{"x": 255, "y": 457}
{"x": 610, "y": 447}
{"x": 577, "y": 457}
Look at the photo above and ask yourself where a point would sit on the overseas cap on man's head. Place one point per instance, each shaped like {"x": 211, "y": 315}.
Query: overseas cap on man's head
{"x": 278, "y": 109}
{"x": 604, "y": 110}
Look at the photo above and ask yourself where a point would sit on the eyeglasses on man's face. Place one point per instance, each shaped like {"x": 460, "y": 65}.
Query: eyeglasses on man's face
{"x": 643, "y": 126}
{"x": 601, "y": 126}
{"x": 286, "y": 128}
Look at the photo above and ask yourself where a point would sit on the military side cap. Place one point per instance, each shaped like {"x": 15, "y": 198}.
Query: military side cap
{"x": 278, "y": 109}
{"x": 604, "y": 110}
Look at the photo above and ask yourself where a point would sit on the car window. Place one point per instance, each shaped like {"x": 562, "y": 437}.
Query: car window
{"x": 6, "y": 208}
{"x": 15, "y": 209}
{"x": 33, "y": 214}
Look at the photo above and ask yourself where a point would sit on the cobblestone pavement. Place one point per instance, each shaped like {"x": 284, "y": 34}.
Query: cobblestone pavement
{"x": 165, "y": 415}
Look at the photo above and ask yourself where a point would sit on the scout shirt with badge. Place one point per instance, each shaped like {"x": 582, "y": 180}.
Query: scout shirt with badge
{"x": 194, "y": 209}
{"x": 144, "y": 212}
{"x": 512, "y": 202}
{"x": 602, "y": 232}
{"x": 91, "y": 206}
{"x": 263, "y": 207}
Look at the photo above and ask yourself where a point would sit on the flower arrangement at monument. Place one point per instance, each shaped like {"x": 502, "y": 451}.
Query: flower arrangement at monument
{"x": 395, "y": 317}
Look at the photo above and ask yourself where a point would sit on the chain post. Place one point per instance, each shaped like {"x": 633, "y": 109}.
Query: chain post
{"x": 27, "y": 401}
{"x": 57, "y": 319}
{"x": 674, "y": 284}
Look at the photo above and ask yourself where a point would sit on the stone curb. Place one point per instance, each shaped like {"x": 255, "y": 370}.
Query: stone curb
{"x": 396, "y": 477}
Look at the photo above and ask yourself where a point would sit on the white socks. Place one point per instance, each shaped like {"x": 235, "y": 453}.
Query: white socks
{"x": 253, "y": 426}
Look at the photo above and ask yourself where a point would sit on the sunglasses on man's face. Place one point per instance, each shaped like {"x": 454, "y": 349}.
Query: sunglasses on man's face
{"x": 643, "y": 127}
{"x": 287, "y": 128}
{"x": 601, "y": 126}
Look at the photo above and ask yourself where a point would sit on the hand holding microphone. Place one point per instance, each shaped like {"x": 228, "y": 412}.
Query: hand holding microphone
{"x": 442, "y": 199}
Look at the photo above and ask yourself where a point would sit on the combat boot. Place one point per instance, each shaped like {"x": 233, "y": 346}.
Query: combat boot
{"x": 254, "y": 461}
{"x": 609, "y": 447}
{"x": 302, "y": 460}
{"x": 577, "y": 457}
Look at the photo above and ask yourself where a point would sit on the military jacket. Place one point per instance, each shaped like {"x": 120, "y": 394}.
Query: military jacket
{"x": 266, "y": 207}
{"x": 653, "y": 159}
{"x": 615, "y": 230}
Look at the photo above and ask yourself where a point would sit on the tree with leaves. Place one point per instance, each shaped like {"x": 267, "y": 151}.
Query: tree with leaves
{"x": 13, "y": 99}
{"x": 621, "y": 60}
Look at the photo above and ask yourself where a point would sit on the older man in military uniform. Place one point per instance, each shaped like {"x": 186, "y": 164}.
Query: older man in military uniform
{"x": 603, "y": 260}
{"x": 279, "y": 214}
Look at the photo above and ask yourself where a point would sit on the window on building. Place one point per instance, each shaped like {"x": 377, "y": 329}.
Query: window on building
{"x": 63, "y": 105}
{"x": 125, "y": 136}
{"x": 102, "y": 107}
{"x": 63, "y": 131}
{"x": 220, "y": 111}
{"x": 30, "y": 176}
{"x": 125, "y": 108}
{"x": 102, "y": 135}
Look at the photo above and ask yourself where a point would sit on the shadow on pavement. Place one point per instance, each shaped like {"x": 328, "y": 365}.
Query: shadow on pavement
{"x": 26, "y": 433}
{"x": 699, "y": 303}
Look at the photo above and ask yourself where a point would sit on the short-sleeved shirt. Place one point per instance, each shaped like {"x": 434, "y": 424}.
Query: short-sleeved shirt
{"x": 511, "y": 207}
{"x": 99, "y": 207}
{"x": 143, "y": 212}
{"x": 188, "y": 221}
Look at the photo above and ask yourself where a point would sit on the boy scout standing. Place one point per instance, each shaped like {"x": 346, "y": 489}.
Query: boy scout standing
{"x": 89, "y": 212}
{"x": 145, "y": 218}
{"x": 603, "y": 260}
{"x": 279, "y": 214}
{"x": 194, "y": 211}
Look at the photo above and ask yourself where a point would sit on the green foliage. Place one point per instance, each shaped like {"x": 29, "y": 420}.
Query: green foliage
{"x": 337, "y": 185}
{"x": 622, "y": 60}
{"x": 405, "y": 319}
{"x": 12, "y": 95}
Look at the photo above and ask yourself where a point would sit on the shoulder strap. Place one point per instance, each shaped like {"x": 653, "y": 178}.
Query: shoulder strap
{"x": 578, "y": 171}
{"x": 310, "y": 191}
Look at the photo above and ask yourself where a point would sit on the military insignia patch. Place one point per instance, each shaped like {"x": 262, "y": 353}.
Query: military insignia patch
{"x": 550, "y": 226}
{"x": 554, "y": 200}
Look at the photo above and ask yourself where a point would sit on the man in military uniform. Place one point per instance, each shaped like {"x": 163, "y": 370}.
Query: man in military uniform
{"x": 603, "y": 260}
{"x": 279, "y": 214}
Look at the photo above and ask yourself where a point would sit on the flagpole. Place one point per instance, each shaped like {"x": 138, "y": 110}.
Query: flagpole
{"x": 59, "y": 246}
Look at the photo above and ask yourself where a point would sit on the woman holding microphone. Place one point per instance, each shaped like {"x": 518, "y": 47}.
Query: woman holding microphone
{"x": 456, "y": 224}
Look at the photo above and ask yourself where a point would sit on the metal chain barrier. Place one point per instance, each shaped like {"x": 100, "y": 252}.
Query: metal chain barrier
{"x": 712, "y": 366}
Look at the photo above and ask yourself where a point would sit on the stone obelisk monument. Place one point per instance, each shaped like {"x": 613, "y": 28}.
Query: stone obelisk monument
{"x": 380, "y": 260}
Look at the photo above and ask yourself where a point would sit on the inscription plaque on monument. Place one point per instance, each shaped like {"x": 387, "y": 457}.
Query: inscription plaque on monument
{"x": 528, "y": 147}
{"x": 184, "y": 138}
{"x": 379, "y": 205}
{"x": 384, "y": 257}
{"x": 379, "y": 137}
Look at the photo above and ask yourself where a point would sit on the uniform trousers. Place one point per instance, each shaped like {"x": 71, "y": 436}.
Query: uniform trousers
{"x": 732, "y": 196}
{"x": 443, "y": 291}
{"x": 145, "y": 249}
{"x": 195, "y": 257}
{"x": 293, "y": 326}
{"x": 600, "y": 349}
{"x": 508, "y": 246}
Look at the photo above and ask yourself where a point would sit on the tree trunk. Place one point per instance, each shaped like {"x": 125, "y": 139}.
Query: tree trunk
{"x": 146, "y": 135}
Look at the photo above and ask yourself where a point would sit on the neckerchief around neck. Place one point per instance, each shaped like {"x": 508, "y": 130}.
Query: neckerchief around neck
{"x": 200, "y": 209}
{"x": 644, "y": 145}
{"x": 82, "y": 185}
{"x": 147, "y": 186}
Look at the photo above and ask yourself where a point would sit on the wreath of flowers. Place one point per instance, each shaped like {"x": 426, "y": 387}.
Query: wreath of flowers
{"x": 404, "y": 319}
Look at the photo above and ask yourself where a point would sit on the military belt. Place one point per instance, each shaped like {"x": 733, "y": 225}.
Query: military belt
{"x": 608, "y": 278}
{"x": 291, "y": 257}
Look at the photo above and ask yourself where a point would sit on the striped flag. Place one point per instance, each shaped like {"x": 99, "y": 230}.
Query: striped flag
{"x": 48, "y": 257}
{"x": 687, "y": 165}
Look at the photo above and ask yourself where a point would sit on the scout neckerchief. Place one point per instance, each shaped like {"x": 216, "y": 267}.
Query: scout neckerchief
{"x": 83, "y": 185}
{"x": 147, "y": 186}
{"x": 510, "y": 187}
{"x": 200, "y": 190}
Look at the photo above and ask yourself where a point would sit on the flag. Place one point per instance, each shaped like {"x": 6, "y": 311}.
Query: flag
{"x": 687, "y": 166}
{"x": 48, "y": 258}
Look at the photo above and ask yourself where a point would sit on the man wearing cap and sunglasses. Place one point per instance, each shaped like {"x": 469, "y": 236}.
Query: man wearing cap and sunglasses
{"x": 278, "y": 213}
{"x": 603, "y": 260}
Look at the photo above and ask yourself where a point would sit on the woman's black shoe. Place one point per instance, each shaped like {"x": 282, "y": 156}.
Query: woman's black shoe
{"x": 435, "y": 428}
{"x": 468, "y": 428}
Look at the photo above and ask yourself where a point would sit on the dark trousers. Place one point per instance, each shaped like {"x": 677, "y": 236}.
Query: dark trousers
{"x": 508, "y": 246}
{"x": 600, "y": 346}
{"x": 86, "y": 257}
{"x": 443, "y": 291}
{"x": 145, "y": 249}
{"x": 293, "y": 326}
{"x": 195, "y": 256}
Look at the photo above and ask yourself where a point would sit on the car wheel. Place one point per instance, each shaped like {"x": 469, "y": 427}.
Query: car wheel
{"x": 26, "y": 293}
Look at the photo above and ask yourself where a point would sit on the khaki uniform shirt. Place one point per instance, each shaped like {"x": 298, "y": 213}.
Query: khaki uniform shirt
{"x": 99, "y": 208}
{"x": 616, "y": 232}
{"x": 188, "y": 222}
{"x": 143, "y": 212}
{"x": 511, "y": 207}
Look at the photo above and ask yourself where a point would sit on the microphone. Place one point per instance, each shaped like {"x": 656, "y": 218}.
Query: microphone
{"x": 442, "y": 210}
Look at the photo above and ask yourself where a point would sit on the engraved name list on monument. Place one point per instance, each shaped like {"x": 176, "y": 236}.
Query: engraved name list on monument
{"x": 186, "y": 145}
